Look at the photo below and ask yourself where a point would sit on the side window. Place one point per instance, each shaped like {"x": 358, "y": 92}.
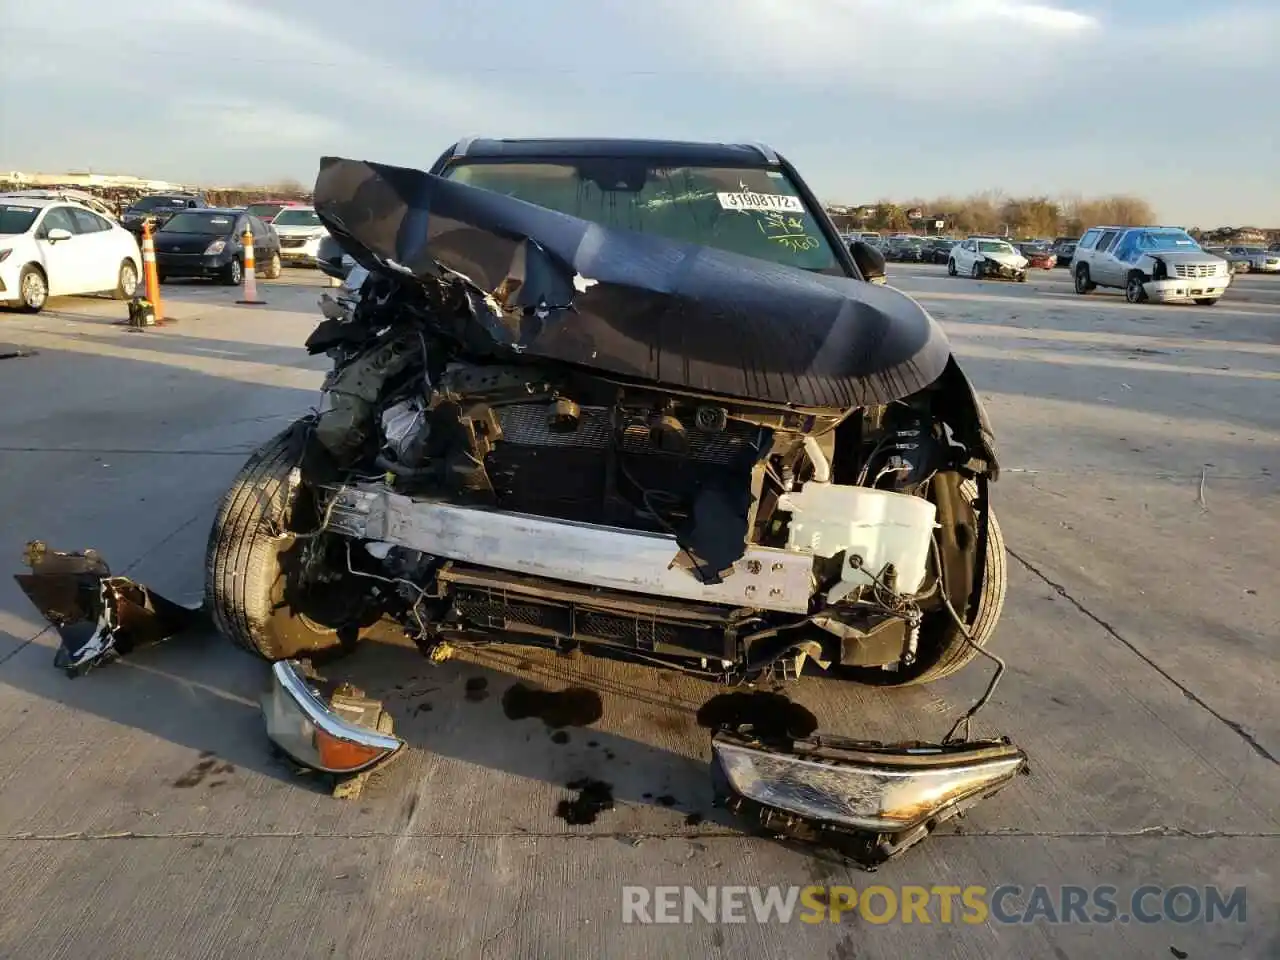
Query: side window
{"x": 259, "y": 228}
{"x": 1106, "y": 240}
{"x": 59, "y": 218}
{"x": 1088, "y": 240}
{"x": 89, "y": 222}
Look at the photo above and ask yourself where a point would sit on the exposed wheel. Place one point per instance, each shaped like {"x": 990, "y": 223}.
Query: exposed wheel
{"x": 1133, "y": 289}
{"x": 977, "y": 271}
{"x": 1022, "y": 278}
{"x": 127, "y": 282}
{"x": 951, "y": 268}
{"x": 233, "y": 273}
{"x": 33, "y": 288}
{"x": 942, "y": 649}
{"x": 257, "y": 564}
{"x": 274, "y": 267}
{"x": 1206, "y": 301}
{"x": 1083, "y": 283}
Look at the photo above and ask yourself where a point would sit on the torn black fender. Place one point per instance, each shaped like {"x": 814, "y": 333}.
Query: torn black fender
{"x": 544, "y": 284}
{"x": 866, "y": 801}
{"x": 98, "y": 616}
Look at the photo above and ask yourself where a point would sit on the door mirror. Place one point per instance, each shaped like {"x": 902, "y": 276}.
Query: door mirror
{"x": 57, "y": 233}
{"x": 869, "y": 259}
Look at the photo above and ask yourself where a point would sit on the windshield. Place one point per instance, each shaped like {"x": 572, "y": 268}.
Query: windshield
{"x": 1148, "y": 241}
{"x": 752, "y": 212}
{"x": 264, "y": 210}
{"x": 994, "y": 246}
{"x": 296, "y": 218}
{"x": 151, "y": 203}
{"x": 15, "y": 219}
{"x": 212, "y": 225}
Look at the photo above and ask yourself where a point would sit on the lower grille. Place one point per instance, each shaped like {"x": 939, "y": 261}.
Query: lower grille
{"x": 289, "y": 242}
{"x": 488, "y": 608}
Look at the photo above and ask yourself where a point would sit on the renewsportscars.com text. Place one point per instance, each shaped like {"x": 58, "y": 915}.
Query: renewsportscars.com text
{"x": 942, "y": 904}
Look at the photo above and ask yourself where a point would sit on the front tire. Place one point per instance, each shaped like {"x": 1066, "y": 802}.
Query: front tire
{"x": 33, "y": 289}
{"x": 1133, "y": 289}
{"x": 1206, "y": 301}
{"x": 126, "y": 282}
{"x": 951, "y": 268}
{"x": 233, "y": 274}
{"x": 274, "y": 267}
{"x": 253, "y": 559}
{"x": 1083, "y": 284}
{"x": 977, "y": 271}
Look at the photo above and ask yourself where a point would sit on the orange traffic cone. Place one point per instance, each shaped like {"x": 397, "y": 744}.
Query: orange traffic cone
{"x": 250, "y": 278}
{"x": 149, "y": 273}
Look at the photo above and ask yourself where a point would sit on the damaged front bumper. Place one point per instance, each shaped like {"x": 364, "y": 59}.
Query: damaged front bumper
{"x": 867, "y": 801}
{"x": 1184, "y": 288}
{"x": 98, "y": 616}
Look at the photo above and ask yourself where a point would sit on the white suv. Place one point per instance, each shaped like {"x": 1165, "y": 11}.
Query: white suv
{"x": 1149, "y": 263}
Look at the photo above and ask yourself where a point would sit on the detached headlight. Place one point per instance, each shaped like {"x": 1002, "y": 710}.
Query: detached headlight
{"x": 215, "y": 248}
{"x": 867, "y": 787}
{"x": 347, "y": 734}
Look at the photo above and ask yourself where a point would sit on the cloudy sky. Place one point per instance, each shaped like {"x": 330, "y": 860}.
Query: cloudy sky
{"x": 1175, "y": 100}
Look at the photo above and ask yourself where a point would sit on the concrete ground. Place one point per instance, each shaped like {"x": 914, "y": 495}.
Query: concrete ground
{"x": 141, "y": 814}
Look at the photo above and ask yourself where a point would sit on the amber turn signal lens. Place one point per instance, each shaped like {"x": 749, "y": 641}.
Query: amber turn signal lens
{"x": 341, "y": 756}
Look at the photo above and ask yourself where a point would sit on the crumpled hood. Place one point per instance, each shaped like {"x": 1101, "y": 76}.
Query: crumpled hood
{"x": 545, "y": 284}
{"x": 1015, "y": 260}
{"x": 1188, "y": 257}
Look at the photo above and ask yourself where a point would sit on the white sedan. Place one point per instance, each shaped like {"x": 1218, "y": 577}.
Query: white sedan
{"x": 980, "y": 257}
{"x": 51, "y": 248}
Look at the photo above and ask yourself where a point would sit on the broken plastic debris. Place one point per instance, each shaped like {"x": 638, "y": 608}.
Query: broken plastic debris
{"x": 98, "y": 616}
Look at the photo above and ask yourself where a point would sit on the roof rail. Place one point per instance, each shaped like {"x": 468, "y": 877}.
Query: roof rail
{"x": 770, "y": 155}
{"x": 462, "y": 146}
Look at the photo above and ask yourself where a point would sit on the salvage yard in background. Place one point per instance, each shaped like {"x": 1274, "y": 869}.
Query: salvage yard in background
{"x": 1140, "y": 502}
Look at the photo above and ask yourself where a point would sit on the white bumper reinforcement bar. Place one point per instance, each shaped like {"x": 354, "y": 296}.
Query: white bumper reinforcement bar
{"x": 582, "y": 553}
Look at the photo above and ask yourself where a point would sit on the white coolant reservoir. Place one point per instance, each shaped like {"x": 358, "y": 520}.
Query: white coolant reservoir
{"x": 878, "y": 526}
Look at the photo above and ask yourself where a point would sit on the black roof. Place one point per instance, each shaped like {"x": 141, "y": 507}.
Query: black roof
{"x": 692, "y": 152}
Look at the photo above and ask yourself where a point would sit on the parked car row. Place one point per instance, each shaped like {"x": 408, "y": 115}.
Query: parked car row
{"x": 1256, "y": 258}
{"x": 51, "y": 246}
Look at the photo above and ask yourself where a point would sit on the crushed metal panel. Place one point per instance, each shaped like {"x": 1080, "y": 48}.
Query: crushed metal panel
{"x": 545, "y": 284}
{"x": 617, "y": 559}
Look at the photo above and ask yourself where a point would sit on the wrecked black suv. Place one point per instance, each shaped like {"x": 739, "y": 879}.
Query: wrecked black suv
{"x": 629, "y": 395}
{"x": 635, "y": 398}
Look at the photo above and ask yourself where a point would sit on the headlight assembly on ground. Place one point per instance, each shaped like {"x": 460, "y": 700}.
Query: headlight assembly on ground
{"x": 870, "y": 800}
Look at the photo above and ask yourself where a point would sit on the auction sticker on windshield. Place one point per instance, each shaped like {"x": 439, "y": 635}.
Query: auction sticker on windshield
{"x": 767, "y": 202}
